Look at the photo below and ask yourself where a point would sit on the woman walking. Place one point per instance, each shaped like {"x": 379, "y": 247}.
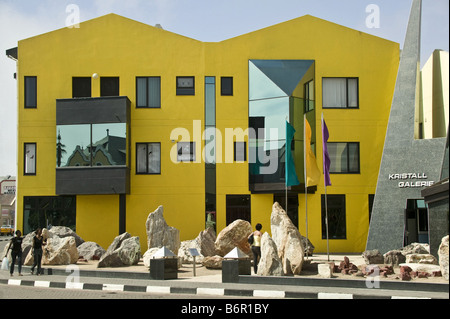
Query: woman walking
{"x": 256, "y": 246}
{"x": 38, "y": 242}
{"x": 16, "y": 252}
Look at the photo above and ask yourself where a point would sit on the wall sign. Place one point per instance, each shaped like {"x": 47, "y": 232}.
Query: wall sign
{"x": 410, "y": 180}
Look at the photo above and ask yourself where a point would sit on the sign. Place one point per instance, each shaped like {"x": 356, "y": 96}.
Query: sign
{"x": 411, "y": 180}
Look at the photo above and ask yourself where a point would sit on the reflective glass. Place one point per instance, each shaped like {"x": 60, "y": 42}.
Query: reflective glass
{"x": 109, "y": 144}
{"x": 72, "y": 145}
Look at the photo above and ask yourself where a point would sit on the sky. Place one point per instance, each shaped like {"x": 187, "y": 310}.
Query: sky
{"x": 204, "y": 20}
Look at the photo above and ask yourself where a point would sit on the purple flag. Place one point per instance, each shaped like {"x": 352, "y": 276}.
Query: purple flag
{"x": 326, "y": 156}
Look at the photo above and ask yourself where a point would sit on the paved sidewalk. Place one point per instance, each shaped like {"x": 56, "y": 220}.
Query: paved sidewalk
{"x": 209, "y": 283}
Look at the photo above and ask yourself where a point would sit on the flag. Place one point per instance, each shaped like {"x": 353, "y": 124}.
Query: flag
{"x": 326, "y": 156}
{"x": 312, "y": 171}
{"x": 290, "y": 173}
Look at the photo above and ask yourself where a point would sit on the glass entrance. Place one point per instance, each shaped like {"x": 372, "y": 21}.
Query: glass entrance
{"x": 416, "y": 222}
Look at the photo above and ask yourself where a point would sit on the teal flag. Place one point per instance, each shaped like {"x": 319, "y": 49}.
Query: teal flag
{"x": 291, "y": 175}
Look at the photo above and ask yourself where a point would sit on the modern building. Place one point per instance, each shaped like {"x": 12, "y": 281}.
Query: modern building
{"x": 7, "y": 200}
{"x": 117, "y": 117}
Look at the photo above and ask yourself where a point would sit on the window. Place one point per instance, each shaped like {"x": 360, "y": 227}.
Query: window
{"x": 30, "y": 159}
{"x": 81, "y": 87}
{"x": 101, "y": 144}
{"x": 240, "y": 151}
{"x": 148, "y": 158}
{"x": 186, "y": 151}
{"x": 337, "y": 228}
{"x": 109, "y": 86}
{"x": 185, "y": 85}
{"x": 340, "y": 92}
{"x": 226, "y": 85}
{"x": 148, "y": 92}
{"x": 309, "y": 96}
{"x": 30, "y": 92}
{"x": 344, "y": 158}
{"x": 238, "y": 207}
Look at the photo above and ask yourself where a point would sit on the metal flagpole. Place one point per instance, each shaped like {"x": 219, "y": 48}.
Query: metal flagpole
{"x": 326, "y": 201}
{"x": 306, "y": 181}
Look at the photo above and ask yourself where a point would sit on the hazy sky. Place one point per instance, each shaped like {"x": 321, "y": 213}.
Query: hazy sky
{"x": 204, "y": 20}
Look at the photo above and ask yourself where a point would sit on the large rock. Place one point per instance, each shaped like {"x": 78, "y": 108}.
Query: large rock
{"x": 185, "y": 255}
{"x": 416, "y": 248}
{"x": 394, "y": 257}
{"x": 90, "y": 250}
{"x": 206, "y": 240}
{"x": 288, "y": 241}
{"x": 443, "y": 257}
{"x": 373, "y": 257}
{"x": 123, "y": 251}
{"x": 148, "y": 255}
{"x": 213, "y": 262}
{"x": 421, "y": 259}
{"x": 270, "y": 264}
{"x": 160, "y": 234}
{"x": 60, "y": 251}
{"x": 63, "y": 231}
{"x": 234, "y": 235}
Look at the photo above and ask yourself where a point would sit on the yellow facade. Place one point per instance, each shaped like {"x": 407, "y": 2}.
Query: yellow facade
{"x": 115, "y": 46}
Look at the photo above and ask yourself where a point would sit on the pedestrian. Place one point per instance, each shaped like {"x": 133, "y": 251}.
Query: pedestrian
{"x": 38, "y": 242}
{"x": 16, "y": 252}
{"x": 256, "y": 246}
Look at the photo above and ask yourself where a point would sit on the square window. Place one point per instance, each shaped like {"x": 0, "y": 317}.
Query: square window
{"x": 340, "y": 92}
{"x": 30, "y": 92}
{"x": 344, "y": 158}
{"x": 186, "y": 151}
{"x": 226, "y": 85}
{"x": 81, "y": 87}
{"x": 109, "y": 86}
{"x": 148, "y": 158}
{"x": 148, "y": 92}
{"x": 185, "y": 85}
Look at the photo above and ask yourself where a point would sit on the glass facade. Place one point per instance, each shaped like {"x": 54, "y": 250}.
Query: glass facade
{"x": 210, "y": 149}
{"x": 279, "y": 91}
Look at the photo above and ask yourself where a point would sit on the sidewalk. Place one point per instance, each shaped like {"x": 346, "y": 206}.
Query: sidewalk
{"x": 208, "y": 282}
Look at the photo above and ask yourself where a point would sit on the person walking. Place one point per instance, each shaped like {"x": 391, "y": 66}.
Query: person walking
{"x": 38, "y": 242}
{"x": 16, "y": 252}
{"x": 256, "y": 246}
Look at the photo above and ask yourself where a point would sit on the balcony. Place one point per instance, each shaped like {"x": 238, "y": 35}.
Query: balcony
{"x": 92, "y": 146}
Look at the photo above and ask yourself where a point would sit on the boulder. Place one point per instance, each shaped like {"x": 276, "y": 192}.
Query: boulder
{"x": 185, "y": 255}
{"x": 206, "y": 241}
{"x": 443, "y": 257}
{"x": 90, "y": 250}
{"x": 234, "y": 235}
{"x": 213, "y": 262}
{"x": 308, "y": 246}
{"x": 160, "y": 234}
{"x": 148, "y": 255}
{"x": 123, "y": 251}
{"x": 288, "y": 241}
{"x": 421, "y": 259}
{"x": 373, "y": 257}
{"x": 63, "y": 231}
{"x": 394, "y": 257}
{"x": 60, "y": 251}
{"x": 270, "y": 264}
{"x": 416, "y": 248}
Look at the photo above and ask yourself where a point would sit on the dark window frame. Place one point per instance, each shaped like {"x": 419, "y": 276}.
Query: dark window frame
{"x": 146, "y": 159}
{"x": 347, "y": 107}
{"x": 29, "y": 104}
{"x": 348, "y": 158}
{"x": 102, "y": 88}
{"x": 185, "y": 90}
{"x": 224, "y": 86}
{"x": 331, "y": 217}
{"x": 230, "y": 204}
{"x": 147, "y": 104}
{"x": 74, "y": 80}
{"x": 25, "y": 159}
{"x": 192, "y": 154}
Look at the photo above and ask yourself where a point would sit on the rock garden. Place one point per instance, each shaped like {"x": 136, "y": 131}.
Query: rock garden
{"x": 286, "y": 253}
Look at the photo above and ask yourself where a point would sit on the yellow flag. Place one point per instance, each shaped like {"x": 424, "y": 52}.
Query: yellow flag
{"x": 312, "y": 171}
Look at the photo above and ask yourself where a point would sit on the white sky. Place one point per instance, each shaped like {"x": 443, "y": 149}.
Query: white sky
{"x": 204, "y": 20}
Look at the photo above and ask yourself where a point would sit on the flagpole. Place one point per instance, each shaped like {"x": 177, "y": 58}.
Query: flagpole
{"x": 306, "y": 182}
{"x": 326, "y": 201}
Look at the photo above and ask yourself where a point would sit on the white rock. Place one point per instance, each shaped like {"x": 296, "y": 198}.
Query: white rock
{"x": 270, "y": 264}
{"x": 443, "y": 257}
{"x": 160, "y": 234}
{"x": 325, "y": 270}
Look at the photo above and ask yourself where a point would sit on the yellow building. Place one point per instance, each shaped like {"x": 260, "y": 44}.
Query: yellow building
{"x": 198, "y": 127}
